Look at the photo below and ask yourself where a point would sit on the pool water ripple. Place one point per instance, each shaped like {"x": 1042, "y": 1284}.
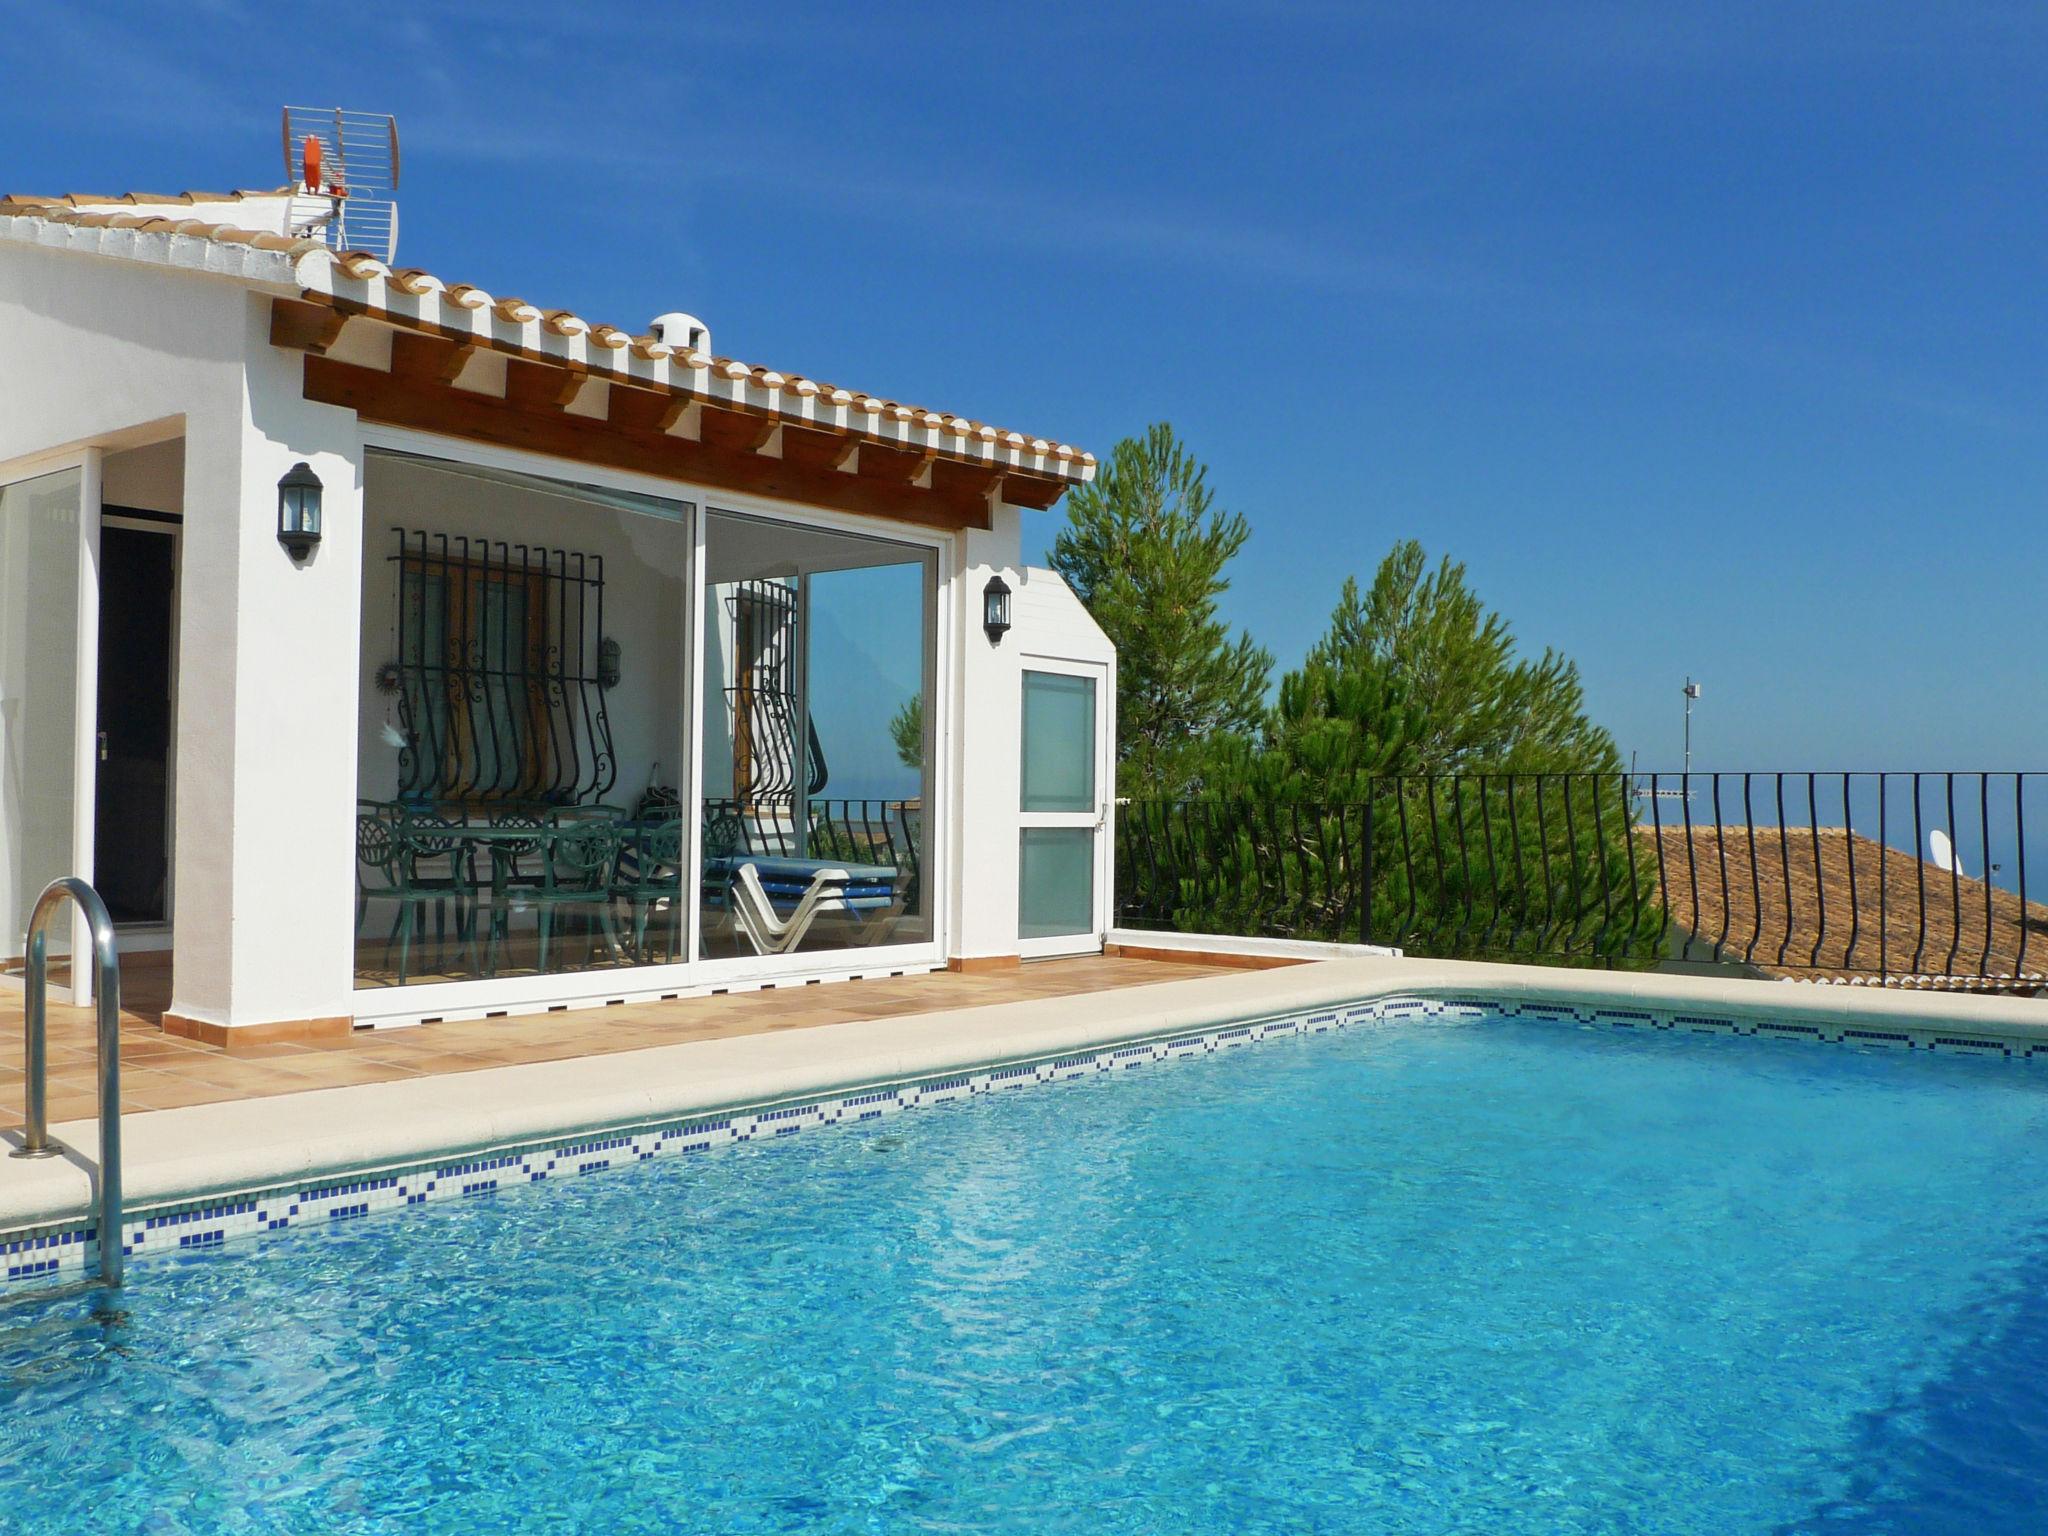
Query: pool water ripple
{"x": 1490, "y": 1276}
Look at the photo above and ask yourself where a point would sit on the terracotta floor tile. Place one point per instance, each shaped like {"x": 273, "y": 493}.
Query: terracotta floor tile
{"x": 163, "y": 1093}
{"x": 164, "y": 1071}
{"x": 340, "y": 1071}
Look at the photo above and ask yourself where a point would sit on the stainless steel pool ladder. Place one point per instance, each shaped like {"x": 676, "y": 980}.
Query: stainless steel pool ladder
{"x": 35, "y": 1140}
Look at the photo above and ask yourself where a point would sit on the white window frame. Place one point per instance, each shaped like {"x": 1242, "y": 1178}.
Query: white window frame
{"x": 434, "y": 1001}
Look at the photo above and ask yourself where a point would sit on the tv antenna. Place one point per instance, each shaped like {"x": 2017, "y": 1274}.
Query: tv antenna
{"x": 343, "y": 170}
{"x": 1692, "y": 693}
{"x": 1644, "y": 791}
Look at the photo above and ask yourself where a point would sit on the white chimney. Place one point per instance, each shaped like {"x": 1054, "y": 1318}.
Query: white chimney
{"x": 686, "y": 333}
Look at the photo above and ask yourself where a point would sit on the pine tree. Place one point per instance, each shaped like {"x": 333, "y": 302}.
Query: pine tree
{"x": 1499, "y": 812}
{"x": 1428, "y": 677}
{"x": 906, "y": 731}
{"x": 1145, "y": 548}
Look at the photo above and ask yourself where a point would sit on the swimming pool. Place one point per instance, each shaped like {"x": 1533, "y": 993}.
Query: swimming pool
{"x": 1490, "y": 1275}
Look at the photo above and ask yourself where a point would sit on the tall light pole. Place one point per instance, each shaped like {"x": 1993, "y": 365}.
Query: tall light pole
{"x": 1692, "y": 691}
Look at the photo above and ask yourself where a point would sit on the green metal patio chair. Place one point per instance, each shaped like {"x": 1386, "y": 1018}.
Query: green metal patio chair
{"x": 650, "y": 878}
{"x": 576, "y": 869}
{"x": 414, "y": 858}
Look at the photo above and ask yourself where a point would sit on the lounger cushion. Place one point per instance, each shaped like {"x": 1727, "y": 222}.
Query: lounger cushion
{"x": 785, "y": 881}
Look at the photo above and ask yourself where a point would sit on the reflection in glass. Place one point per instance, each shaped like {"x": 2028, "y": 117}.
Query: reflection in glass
{"x": 522, "y": 671}
{"x": 817, "y": 668}
{"x": 39, "y": 562}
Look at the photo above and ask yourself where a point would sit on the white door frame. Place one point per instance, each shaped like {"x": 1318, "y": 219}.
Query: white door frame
{"x": 85, "y": 693}
{"x": 1095, "y": 820}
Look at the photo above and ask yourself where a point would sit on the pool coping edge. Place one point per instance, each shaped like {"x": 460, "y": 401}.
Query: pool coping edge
{"x": 239, "y": 1150}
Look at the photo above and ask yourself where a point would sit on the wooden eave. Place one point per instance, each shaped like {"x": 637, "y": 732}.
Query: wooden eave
{"x": 724, "y": 446}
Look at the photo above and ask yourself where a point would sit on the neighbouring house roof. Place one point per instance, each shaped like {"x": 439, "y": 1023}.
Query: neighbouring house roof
{"x": 223, "y": 234}
{"x": 1793, "y": 901}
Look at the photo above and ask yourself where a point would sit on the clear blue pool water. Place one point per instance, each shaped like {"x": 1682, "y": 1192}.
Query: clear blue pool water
{"x": 1488, "y": 1277}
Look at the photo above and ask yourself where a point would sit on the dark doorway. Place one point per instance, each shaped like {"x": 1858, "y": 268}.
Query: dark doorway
{"x": 131, "y": 817}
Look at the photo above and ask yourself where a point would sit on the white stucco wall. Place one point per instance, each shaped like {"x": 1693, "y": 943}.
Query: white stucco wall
{"x": 273, "y": 701}
{"x": 984, "y": 743}
{"x": 1052, "y": 622}
{"x": 95, "y": 350}
{"x": 149, "y": 479}
{"x": 295, "y": 644}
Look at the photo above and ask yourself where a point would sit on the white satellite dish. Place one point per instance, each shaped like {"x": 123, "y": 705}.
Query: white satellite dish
{"x": 1941, "y": 853}
{"x": 343, "y": 170}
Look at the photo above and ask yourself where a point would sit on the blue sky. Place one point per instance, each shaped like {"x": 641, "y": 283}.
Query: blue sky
{"x": 1710, "y": 336}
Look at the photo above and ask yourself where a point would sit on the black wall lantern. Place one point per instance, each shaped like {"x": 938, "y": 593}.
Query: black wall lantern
{"x": 995, "y": 609}
{"x": 298, "y": 510}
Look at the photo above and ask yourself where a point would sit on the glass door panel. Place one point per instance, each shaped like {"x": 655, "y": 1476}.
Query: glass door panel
{"x": 1056, "y": 882}
{"x": 521, "y": 725}
{"x": 818, "y": 657}
{"x": 1059, "y": 742}
{"x": 41, "y": 547}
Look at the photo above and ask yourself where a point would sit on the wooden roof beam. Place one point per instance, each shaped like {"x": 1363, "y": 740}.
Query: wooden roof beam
{"x": 303, "y": 327}
{"x": 427, "y": 361}
{"x": 630, "y": 439}
{"x": 896, "y": 466}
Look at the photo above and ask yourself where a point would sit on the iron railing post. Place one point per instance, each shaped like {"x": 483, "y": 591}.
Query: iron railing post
{"x": 1230, "y": 863}
{"x": 1365, "y": 871}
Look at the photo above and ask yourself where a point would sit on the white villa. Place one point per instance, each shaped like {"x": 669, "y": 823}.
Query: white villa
{"x": 384, "y": 649}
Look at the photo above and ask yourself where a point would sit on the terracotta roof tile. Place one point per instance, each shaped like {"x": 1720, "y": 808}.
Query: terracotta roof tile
{"x": 66, "y": 211}
{"x": 14, "y": 202}
{"x": 137, "y": 211}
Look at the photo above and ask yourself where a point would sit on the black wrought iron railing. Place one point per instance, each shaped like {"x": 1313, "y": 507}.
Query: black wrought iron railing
{"x": 1915, "y": 878}
{"x": 885, "y": 832}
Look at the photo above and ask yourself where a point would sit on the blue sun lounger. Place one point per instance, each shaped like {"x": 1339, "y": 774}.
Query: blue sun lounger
{"x": 774, "y": 900}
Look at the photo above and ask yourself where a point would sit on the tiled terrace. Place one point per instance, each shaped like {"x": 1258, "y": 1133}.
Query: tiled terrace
{"x": 162, "y": 1071}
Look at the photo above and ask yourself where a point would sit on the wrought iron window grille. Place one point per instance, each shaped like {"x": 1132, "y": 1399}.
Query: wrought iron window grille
{"x": 500, "y": 672}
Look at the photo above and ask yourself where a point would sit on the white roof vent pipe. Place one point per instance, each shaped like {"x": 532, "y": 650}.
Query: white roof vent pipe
{"x": 686, "y": 333}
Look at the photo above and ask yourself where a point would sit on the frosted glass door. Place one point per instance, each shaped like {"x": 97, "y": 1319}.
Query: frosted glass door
{"x": 1059, "y": 877}
{"x": 41, "y": 545}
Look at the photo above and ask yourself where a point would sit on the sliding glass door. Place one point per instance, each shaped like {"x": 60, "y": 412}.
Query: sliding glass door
{"x": 819, "y": 660}
{"x": 47, "y": 525}
{"x": 610, "y": 745}
{"x": 522, "y": 740}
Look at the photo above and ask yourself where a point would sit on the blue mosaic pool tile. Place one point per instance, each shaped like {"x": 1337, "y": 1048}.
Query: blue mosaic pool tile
{"x": 204, "y": 1226}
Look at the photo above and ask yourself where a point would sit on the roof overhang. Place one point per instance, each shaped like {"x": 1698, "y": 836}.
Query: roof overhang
{"x": 401, "y": 347}
{"x": 652, "y": 415}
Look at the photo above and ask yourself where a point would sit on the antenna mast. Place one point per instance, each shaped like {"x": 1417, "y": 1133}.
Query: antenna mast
{"x": 1692, "y": 692}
